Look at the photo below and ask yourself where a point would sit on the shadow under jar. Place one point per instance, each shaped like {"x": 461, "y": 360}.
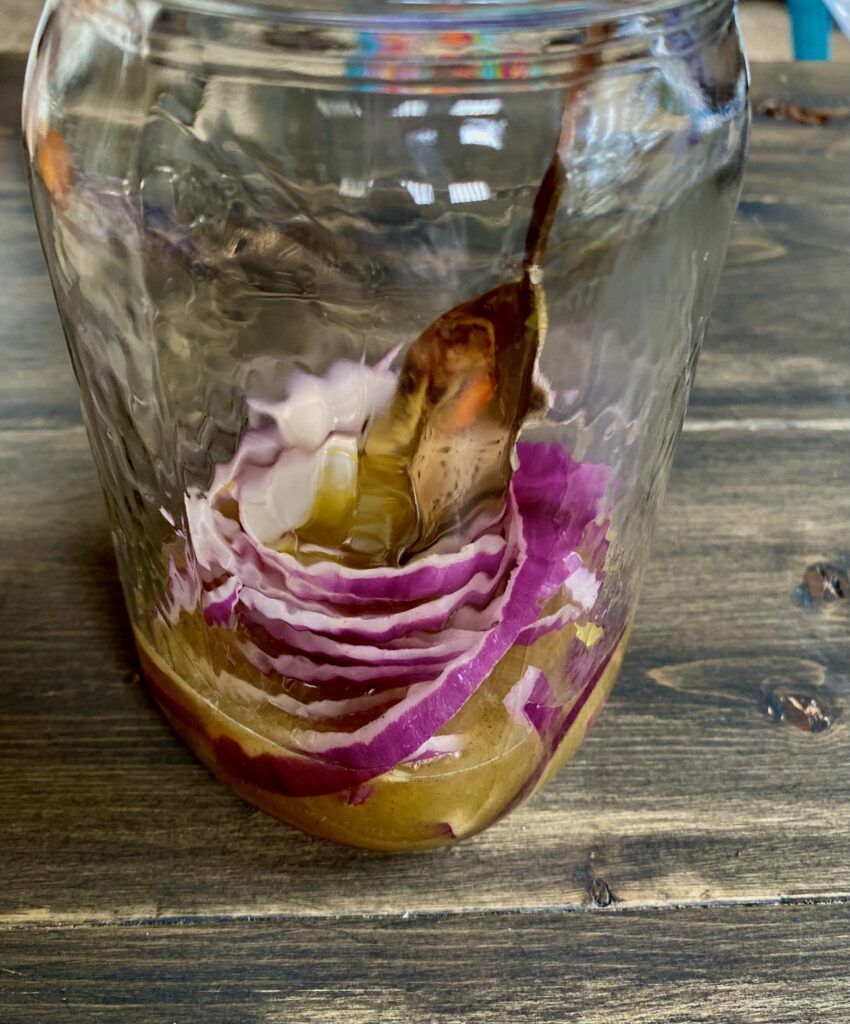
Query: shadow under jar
{"x": 385, "y": 317}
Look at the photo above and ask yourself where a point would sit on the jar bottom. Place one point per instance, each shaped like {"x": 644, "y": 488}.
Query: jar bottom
{"x": 391, "y": 813}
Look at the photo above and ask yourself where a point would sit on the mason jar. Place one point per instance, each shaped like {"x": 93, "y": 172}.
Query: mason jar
{"x": 384, "y": 316}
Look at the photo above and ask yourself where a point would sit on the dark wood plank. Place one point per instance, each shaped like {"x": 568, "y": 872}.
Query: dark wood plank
{"x": 11, "y": 152}
{"x": 36, "y": 386}
{"x": 685, "y": 791}
{"x": 793, "y": 162}
{"x": 759, "y": 965}
{"x": 811, "y": 84}
{"x": 777, "y": 344}
{"x": 20, "y": 18}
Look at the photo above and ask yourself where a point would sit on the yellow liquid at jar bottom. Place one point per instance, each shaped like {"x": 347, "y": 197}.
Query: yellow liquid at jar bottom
{"x": 407, "y": 808}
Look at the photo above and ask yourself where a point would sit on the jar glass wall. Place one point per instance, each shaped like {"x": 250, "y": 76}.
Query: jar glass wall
{"x": 385, "y": 317}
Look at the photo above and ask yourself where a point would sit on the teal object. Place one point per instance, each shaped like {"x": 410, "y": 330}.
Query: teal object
{"x": 810, "y": 26}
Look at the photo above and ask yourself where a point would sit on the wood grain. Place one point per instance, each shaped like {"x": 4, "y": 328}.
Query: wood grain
{"x": 685, "y": 791}
{"x": 758, "y": 965}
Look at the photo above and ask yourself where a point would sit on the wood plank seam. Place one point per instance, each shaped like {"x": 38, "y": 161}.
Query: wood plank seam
{"x": 8, "y": 923}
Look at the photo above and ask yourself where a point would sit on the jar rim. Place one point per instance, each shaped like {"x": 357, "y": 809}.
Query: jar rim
{"x": 430, "y": 15}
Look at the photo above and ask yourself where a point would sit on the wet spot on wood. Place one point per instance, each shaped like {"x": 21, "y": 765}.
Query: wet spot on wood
{"x": 824, "y": 583}
{"x": 600, "y": 893}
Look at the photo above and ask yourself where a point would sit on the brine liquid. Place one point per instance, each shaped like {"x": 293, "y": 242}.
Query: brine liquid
{"x": 229, "y": 724}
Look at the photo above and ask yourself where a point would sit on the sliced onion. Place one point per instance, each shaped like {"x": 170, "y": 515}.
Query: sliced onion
{"x": 443, "y": 646}
{"x": 437, "y": 746}
{"x": 435, "y": 615}
{"x": 323, "y": 710}
{"x": 218, "y": 604}
{"x": 531, "y": 702}
{"x": 304, "y": 669}
{"x": 184, "y": 590}
{"x": 419, "y": 639}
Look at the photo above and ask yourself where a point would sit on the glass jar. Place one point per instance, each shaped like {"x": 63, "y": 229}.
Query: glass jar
{"x": 385, "y": 317}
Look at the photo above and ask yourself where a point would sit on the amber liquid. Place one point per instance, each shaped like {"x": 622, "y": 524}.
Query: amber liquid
{"x": 232, "y": 728}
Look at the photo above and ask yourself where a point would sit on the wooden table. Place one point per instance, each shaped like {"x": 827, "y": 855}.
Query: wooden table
{"x": 135, "y": 888}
